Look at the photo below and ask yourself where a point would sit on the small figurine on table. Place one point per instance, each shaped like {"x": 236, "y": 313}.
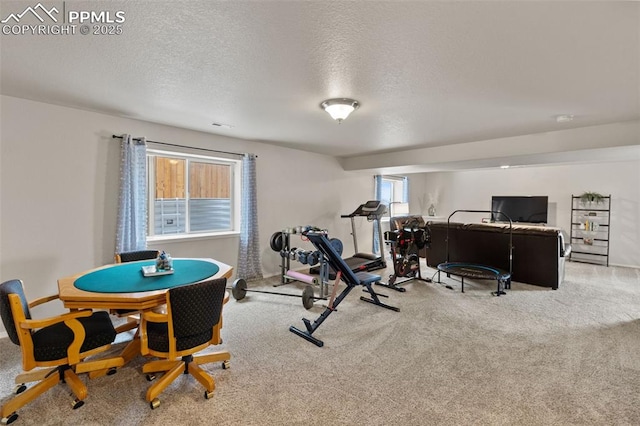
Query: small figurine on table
{"x": 164, "y": 262}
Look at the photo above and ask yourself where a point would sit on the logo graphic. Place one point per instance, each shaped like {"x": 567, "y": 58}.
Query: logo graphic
{"x": 44, "y": 20}
{"x": 33, "y": 11}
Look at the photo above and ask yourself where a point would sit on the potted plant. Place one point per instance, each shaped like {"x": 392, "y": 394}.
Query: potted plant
{"x": 590, "y": 198}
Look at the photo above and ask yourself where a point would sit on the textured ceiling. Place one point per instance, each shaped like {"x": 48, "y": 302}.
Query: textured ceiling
{"x": 426, "y": 73}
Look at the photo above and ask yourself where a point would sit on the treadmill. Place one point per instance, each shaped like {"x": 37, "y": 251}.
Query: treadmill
{"x": 373, "y": 211}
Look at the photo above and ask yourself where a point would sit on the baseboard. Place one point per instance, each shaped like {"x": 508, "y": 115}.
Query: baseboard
{"x": 624, "y": 266}
{"x": 3, "y": 334}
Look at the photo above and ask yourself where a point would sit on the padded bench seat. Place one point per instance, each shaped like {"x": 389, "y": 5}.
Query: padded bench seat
{"x": 367, "y": 278}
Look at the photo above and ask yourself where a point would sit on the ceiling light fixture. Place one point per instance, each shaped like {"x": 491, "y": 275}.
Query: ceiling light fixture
{"x": 339, "y": 108}
{"x": 564, "y": 118}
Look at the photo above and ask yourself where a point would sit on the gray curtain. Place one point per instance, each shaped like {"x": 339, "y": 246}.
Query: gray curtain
{"x": 131, "y": 233}
{"x": 405, "y": 189}
{"x": 378, "y": 190}
{"x": 249, "y": 265}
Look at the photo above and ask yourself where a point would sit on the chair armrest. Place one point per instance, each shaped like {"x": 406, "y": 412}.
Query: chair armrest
{"x": 149, "y": 316}
{"x": 44, "y": 322}
{"x": 41, "y": 300}
{"x": 70, "y": 319}
{"x": 155, "y": 316}
{"x": 565, "y": 249}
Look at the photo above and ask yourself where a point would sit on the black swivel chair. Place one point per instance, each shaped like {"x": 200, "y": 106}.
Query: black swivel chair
{"x": 132, "y": 316}
{"x": 192, "y": 322}
{"x": 59, "y": 343}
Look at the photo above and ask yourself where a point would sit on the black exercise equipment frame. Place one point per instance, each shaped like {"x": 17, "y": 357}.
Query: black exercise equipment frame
{"x": 503, "y": 278}
{"x": 398, "y": 258}
{"x": 320, "y": 241}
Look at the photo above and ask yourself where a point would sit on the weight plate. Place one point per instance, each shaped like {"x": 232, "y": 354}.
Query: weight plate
{"x": 239, "y": 289}
{"x": 337, "y": 245}
{"x": 307, "y": 297}
{"x": 276, "y": 241}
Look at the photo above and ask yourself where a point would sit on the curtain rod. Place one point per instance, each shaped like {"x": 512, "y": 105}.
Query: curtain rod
{"x": 185, "y": 146}
{"x": 391, "y": 176}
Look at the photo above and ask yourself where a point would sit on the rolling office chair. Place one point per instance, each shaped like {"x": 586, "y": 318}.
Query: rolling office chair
{"x": 132, "y": 316}
{"x": 60, "y": 343}
{"x": 192, "y": 322}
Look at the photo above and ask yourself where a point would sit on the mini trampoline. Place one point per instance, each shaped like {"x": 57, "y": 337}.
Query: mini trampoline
{"x": 477, "y": 271}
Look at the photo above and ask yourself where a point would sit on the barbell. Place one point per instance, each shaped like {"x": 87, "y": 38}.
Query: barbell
{"x": 239, "y": 291}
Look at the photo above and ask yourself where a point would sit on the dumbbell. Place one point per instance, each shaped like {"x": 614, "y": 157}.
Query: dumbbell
{"x": 302, "y": 256}
{"x": 313, "y": 258}
{"x": 291, "y": 254}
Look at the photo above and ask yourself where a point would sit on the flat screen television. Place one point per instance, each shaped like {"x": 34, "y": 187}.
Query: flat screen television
{"x": 520, "y": 209}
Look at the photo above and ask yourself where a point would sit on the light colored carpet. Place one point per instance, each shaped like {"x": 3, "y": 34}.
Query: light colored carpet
{"x": 533, "y": 357}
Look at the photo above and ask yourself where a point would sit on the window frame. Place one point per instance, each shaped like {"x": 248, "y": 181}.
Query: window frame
{"x": 397, "y": 193}
{"x": 235, "y": 194}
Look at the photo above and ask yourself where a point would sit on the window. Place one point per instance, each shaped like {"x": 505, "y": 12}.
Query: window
{"x": 394, "y": 195}
{"x": 192, "y": 194}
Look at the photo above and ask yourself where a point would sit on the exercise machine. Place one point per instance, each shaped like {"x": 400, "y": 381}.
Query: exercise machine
{"x": 405, "y": 244}
{"x": 344, "y": 273}
{"x": 373, "y": 211}
{"x": 280, "y": 242}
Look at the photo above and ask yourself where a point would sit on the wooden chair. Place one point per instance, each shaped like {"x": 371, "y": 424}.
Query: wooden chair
{"x": 60, "y": 344}
{"x": 132, "y": 317}
{"x": 192, "y": 322}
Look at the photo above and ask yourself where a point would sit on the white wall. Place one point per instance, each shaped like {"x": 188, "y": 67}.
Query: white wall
{"x": 472, "y": 190}
{"x": 591, "y": 143}
{"x": 59, "y": 185}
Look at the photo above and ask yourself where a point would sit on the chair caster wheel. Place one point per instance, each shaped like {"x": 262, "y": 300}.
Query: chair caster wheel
{"x": 226, "y": 365}
{"x": 77, "y": 403}
{"x": 12, "y": 418}
{"x": 154, "y": 404}
{"x": 112, "y": 371}
{"x": 19, "y": 388}
{"x": 208, "y": 395}
{"x": 151, "y": 377}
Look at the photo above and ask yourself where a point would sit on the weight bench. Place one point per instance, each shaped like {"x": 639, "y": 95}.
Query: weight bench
{"x": 344, "y": 272}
